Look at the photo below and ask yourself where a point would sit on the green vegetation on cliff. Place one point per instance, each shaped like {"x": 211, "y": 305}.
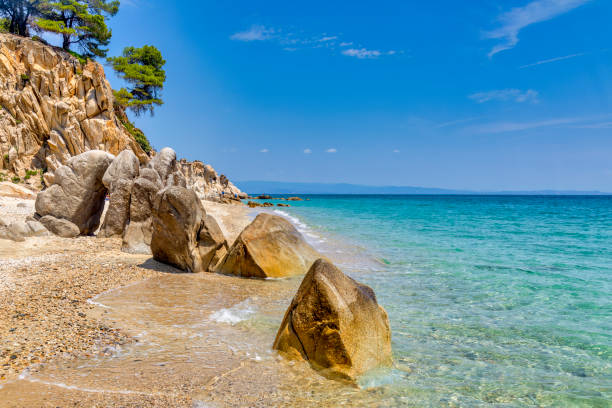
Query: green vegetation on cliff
{"x": 142, "y": 68}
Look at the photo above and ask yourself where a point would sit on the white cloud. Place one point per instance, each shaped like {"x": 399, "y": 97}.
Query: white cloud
{"x": 255, "y": 33}
{"x": 290, "y": 41}
{"x": 513, "y": 21}
{"x": 307, "y": 151}
{"x": 396, "y": 151}
{"x": 331, "y": 150}
{"x": 604, "y": 125}
{"x": 576, "y": 122}
{"x": 515, "y": 95}
{"x": 264, "y": 151}
{"x": 548, "y": 61}
{"x": 361, "y": 53}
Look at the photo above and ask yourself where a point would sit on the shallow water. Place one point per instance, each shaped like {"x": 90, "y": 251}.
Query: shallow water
{"x": 493, "y": 301}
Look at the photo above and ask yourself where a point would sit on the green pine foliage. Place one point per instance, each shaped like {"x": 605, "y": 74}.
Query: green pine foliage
{"x": 4, "y": 25}
{"x": 79, "y": 22}
{"x": 17, "y": 14}
{"x": 142, "y": 68}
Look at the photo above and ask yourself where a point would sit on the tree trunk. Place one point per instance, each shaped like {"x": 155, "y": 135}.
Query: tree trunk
{"x": 66, "y": 43}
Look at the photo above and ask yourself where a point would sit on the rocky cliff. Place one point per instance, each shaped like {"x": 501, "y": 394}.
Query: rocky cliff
{"x": 53, "y": 107}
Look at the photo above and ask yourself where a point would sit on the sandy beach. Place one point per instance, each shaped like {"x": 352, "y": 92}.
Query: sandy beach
{"x": 46, "y": 284}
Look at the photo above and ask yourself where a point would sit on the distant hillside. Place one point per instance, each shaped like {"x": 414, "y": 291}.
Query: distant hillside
{"x": 279, "y": 187}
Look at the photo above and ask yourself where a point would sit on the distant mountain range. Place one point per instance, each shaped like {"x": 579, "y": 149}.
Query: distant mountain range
{"x": 279, "y": 187}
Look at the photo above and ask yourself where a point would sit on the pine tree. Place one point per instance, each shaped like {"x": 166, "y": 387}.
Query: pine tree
{"x": 142, "y": 68}
{"x": 80, "y": 22}
{"x": 18, "y": 14}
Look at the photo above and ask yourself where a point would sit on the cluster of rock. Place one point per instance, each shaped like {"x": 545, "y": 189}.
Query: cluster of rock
{"x": 18, "y": 231}
{"x": 53, "y": 108}
{"x": 208, "y": 185}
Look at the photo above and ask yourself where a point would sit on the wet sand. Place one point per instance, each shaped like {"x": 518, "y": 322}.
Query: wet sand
{"x": 45, "y": 284}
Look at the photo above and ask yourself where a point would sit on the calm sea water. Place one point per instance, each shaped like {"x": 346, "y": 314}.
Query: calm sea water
{"x": 492, "y": 299}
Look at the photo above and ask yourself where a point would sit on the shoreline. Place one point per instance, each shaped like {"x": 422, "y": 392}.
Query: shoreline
{"x": 47, "y": 284}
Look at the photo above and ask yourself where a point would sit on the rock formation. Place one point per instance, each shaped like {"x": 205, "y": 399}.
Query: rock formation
{"x": 53, "y": 108}
{"x": 60, "y": 227}
{"x": 183, "y": 235}
{"x": 8, "y": 189}
{"x": 207, "y": 184}
{"x": 269, "y": 247}
{"x": 162, "y": 171}
{"x": 119, "y": 179}
{"x": 336, "y": 324}
{"x": 77, "y": 194}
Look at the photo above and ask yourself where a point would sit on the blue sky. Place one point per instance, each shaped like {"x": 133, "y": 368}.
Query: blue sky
{"x": 481, "y": 95}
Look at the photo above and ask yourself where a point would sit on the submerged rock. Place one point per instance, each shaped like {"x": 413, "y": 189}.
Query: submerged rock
{"x": 269, "y": 247}
{"x": 183, "y": 235}
{"x": 78, "y": 193}
{"x": 336, "y": 324}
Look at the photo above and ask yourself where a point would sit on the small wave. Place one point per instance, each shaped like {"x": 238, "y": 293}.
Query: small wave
{"x": 235, "y": 314}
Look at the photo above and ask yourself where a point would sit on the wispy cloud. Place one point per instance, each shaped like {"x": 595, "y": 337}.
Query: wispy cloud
{"x": 307, "y": 151}
{"x": 548, "y": 61}
{"x": 291, "y": 41}
{"x": 255, "y": 33}
{"x": 363, "y": 53}
{"x": 603, "y": 125}
{"x": 455, "y": 122}
{"x": 264, "y": 151}
{"x": 515, "y": 95}
{"x": 396, "y": 151}
{"x": 581, "y": 122}
{"x": 513, "y": 21}
{"x": 331, "y": 150}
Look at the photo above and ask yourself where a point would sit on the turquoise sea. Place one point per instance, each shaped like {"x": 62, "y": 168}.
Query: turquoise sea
{"x": 500, "y": 300}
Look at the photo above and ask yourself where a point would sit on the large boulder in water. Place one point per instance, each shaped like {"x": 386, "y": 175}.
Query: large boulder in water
{"x": 78, "y": 193}
{"x": 336, "y": 324}
{"x": 269, "y": 247}
{"x": 183, "y": 235}
{"x": 119, "y": 179}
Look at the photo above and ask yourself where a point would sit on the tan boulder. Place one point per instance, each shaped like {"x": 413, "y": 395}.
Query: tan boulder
{"x": 269, "y": 247}
{"x": 336, "y": 324}
{"x": 60, "y": 227}
{"x": 78, "y": 193}
{"x": 138, "y": 231}
{"x": 8, "y": 189}
{"x": 183, "y": 235}
{"x": 118, "y": 179}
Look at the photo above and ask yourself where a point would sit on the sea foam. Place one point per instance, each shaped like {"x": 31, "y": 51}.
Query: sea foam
{"x": 235, "y": 314}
